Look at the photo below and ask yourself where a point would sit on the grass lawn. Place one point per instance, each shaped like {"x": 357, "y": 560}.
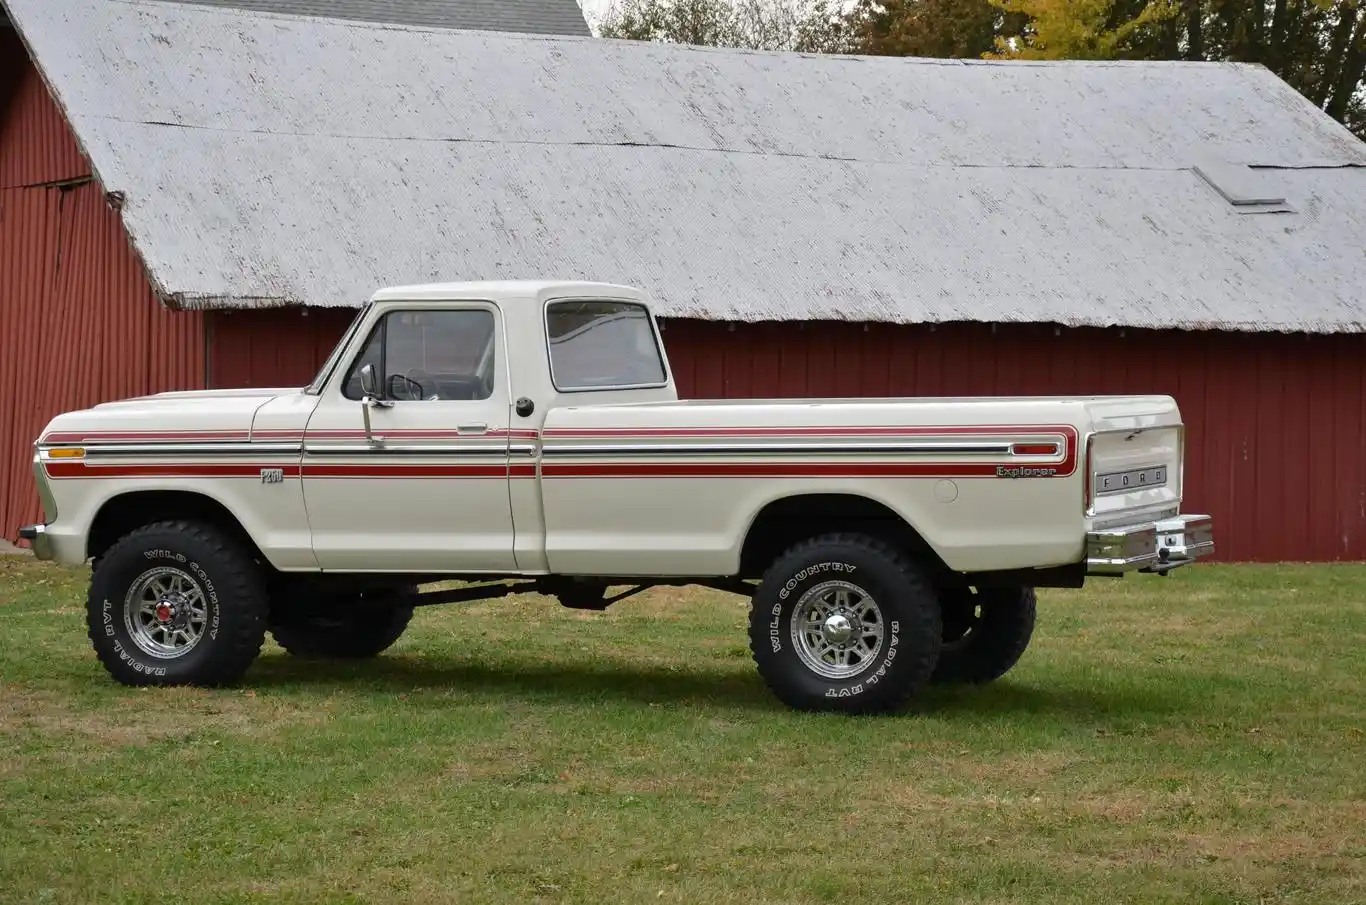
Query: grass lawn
{"x": 1197, "y": 739}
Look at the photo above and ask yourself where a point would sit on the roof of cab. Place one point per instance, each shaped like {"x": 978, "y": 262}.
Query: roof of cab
{"x": 501, "y": 290}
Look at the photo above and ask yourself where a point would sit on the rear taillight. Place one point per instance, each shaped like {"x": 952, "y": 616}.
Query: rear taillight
{"x": 1034, "y": 449}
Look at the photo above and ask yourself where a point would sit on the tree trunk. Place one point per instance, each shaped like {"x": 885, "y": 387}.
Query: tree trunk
{"x": 1253, "y": 43}
{"x": 1337, "y": 49}
{"x": 1353, "y": 69}
{"x": 1195, "y": 29}
{"x": 1275, "y": 45}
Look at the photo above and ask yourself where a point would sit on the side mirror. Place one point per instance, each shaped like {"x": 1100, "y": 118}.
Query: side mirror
{"x": 369, "y": 385}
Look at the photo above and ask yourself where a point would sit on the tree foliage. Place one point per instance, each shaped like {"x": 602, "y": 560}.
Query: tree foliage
{"x": 1317, "y": 46}
{"x": 813, "y": 26}
{"x": 946, "y": 29}
{"x": 1079, "y": 29}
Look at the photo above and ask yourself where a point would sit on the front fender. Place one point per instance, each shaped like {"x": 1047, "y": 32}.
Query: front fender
{"x": 270, "y": 511}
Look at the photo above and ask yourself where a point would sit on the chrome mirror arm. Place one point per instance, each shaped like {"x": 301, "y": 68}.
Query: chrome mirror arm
{"x": 371, "y": 399}
{"x": 367, "y": 403}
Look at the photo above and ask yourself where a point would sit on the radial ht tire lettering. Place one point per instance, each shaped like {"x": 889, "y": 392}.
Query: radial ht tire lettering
{"x": 176, "y": 603}
{"x": 845, "y": 623}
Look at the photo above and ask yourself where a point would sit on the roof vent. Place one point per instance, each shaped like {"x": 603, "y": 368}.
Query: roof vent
{"x": 1243, "y": 187}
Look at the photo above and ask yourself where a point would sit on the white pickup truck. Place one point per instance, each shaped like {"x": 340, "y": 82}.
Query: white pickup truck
{"x": 527, "y": 437}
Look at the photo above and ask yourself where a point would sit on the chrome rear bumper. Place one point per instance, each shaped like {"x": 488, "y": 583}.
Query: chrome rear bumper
{"x": 1158, "y": 546}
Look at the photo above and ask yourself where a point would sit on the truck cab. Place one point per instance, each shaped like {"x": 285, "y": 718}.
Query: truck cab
{"x": 448, "y": 387}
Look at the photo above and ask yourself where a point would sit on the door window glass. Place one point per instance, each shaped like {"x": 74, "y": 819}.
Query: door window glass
{"x": 430, "y": 356}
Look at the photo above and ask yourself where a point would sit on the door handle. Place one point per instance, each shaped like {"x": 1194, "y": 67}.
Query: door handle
{"x": 472, "y": 428}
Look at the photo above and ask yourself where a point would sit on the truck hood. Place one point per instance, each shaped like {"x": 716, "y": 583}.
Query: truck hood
{"x": 194, "y": 415}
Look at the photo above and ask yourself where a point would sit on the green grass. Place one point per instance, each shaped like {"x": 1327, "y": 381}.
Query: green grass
{"x": 1198, "y": 739}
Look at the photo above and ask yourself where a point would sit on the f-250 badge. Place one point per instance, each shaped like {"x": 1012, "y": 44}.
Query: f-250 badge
{"x": 272, "y": 476}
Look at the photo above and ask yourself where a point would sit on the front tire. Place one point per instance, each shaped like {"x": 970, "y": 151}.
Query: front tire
{"x": 176, "y": 603}
{"x": 986, "y": 633}
{"x": 845, "y": 623}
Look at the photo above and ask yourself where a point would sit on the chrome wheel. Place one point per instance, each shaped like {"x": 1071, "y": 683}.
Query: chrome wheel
{"x": 837, "y": 629}
{"x": 165, "y": 612}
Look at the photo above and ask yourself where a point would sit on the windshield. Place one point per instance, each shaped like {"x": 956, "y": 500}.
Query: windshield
{"x": 330, "y": 365}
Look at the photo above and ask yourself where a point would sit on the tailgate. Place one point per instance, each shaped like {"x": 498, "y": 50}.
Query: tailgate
{"x": 1133, "y": 458}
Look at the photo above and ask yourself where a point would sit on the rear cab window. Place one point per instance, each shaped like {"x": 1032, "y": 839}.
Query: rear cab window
{"x": 602, "y": 345}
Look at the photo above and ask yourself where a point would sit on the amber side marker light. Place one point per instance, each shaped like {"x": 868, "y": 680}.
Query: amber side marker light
{"x": 1034, "y": 449}
{"x": 72, "y": 452}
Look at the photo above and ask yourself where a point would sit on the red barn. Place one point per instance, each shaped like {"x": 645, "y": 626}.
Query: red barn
{"x": 193, "y": 196}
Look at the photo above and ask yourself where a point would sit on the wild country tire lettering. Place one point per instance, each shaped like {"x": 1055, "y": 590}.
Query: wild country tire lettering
{"x": 809, "y": 571}
{"x": 786, "y": 590}
{"x": 212, "y": 596}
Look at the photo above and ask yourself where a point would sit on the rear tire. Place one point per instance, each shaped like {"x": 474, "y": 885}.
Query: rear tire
{"x": 986, "y": 633}
{"x": 867, "y": 630}
{"x": 176, "y": 603}
{"x": 355, "y": 627}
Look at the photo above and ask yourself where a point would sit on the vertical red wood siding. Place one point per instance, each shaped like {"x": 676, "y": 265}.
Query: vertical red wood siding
{"x": 38, "y": 147}
{"x": 1276, "y": 424}
{"x": 277, "y": 347}
{"x": 79, "y": 324}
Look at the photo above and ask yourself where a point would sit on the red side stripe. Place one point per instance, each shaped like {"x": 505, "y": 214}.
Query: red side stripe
{"x": 64, "y": 470}
{"x": 779, "y": 470}
{"x": 406, "y": 471}
{"x": 870, "y": 431}
{"x": 223, "y": 470}
{"x": 568, "y": 433}
{"x": 277, "y": 435}
{"x": 140, "y": 436}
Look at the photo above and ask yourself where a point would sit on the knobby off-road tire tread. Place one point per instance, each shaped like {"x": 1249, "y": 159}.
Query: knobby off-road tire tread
{"x": 1004, "y": 636}
{"x": 367, "y": 633}
{"x": 240, "y": 586}
{"x": 917, "y": 610}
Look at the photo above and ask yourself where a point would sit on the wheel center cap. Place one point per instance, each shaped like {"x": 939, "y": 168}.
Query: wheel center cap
{"x": 165, "y": 612}
{"x": 837, "y": 629}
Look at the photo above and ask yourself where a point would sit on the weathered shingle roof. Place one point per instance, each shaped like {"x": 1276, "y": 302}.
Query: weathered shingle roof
{"x": 558, "y": 17}
{"x": 273, "y": 160}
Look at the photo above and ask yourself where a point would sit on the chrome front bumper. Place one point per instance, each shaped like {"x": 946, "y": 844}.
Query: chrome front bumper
{"x": 37, "y": 535}
{"x": 1158, "y": 546}
{"x": 38, "y": 539}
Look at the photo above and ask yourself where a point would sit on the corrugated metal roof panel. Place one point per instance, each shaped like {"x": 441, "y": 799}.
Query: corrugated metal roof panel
{"x": 551, "y": 17}
{"x": 267, "y": 159}
{"x": 792, "y": 240}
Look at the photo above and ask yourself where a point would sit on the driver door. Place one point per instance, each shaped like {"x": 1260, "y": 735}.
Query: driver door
{"x": 425, "y": 489}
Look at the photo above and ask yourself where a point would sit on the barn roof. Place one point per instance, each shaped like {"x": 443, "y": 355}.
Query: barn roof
{"x": 268, "y": 160}
{"x": 562, "y": 17}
